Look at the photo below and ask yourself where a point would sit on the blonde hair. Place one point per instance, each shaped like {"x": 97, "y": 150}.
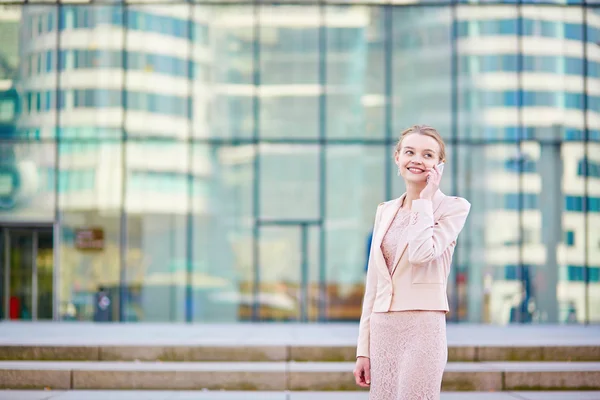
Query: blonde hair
{"x": 427, "y": 131}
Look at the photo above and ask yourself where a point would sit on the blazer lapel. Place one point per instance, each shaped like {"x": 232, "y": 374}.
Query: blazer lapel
{"x": 387, "y": 217}
{"x": 437, "y": 201}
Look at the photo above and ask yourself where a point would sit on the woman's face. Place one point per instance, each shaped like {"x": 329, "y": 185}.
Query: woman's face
{"x": 418, "y": 154}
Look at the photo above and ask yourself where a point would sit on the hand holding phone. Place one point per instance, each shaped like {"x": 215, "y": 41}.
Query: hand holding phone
{"x": 432, "y": 184}
{"x": 440, "y": 168}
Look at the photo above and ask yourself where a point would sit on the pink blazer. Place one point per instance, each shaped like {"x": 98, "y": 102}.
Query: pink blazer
{"x": 418, "y": 280}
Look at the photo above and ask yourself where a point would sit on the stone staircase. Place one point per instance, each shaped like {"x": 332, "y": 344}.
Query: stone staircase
{"x": 281, "y": 367}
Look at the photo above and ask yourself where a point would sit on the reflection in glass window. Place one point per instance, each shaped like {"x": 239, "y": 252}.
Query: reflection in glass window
{"x": 499, "y": 105}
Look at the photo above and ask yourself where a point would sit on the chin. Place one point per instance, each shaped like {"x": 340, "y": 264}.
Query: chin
{"x": 415, "y": 178}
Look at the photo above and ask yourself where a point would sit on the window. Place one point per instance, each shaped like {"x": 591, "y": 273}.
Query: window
{"x": 48, "y": 101}
{"x": 50, "y": 22}
{"x": 593, "y": 169}
{"x": 574, "y": 31}
{"x": 574, "y": 66}
{"x": 529, "y": 201}
{"x": 49, "y": 61}
{"x": 576, "y": 203}
{"x": 520, "y": 165}
{"x": 570, "y": 238}
{"x": 7, "y": 110}
{"x": 577, "y": 273}
{"x": 574, "y": 100}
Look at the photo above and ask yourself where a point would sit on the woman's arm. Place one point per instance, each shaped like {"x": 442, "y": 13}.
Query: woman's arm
{"x": 362, "y": 349}
{"x": 430, "y": 240}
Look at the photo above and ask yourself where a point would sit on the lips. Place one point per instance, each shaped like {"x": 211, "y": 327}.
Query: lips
{"x": 415, "y": 170}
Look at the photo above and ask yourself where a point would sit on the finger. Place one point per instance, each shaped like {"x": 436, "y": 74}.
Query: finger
{"x": 429, "y": 175}
{"x": 361, "y": 381}
{"x": 435, "y": 174}
{"x": 368, "y": 376}
{"x": 357, "y": 377}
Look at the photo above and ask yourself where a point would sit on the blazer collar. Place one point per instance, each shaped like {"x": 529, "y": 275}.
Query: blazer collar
{"x": 388, "y": 214}
{"x": 436, "y": 201}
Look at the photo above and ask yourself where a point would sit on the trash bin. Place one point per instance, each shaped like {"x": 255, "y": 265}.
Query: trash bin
{"x": 102, "y": 306}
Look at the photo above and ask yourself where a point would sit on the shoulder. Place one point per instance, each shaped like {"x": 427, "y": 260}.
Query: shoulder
{"x": 455, "y": 205}
{"x": 384, "y": 204}
{"x": 380, "y": 207}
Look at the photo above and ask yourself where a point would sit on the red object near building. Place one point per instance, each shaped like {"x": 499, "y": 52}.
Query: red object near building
{"x": 14, "y": 308}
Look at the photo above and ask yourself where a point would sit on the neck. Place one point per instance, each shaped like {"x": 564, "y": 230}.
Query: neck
{"x": 413, "y": 191}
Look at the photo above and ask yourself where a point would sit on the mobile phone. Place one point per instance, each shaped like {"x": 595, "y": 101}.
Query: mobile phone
{"x": 440, "y": 167}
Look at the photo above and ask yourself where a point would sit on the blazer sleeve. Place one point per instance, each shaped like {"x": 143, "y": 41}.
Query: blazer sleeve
{"x": 431, "y": 239}
{"x": 362, "y": 349}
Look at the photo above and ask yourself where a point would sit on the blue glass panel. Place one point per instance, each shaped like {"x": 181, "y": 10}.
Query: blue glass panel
{"x": 549, "y": 29}
{"x": 574, "y": 66}
{"x": 574, "y": 31}
{"x": 574, "y": 100}
{"x": 570, "y": 238}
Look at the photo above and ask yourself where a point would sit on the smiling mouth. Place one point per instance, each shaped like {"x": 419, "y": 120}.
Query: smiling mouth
{"x": 415, "y": 170}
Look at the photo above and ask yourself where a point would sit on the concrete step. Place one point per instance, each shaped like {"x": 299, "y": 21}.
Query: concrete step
{"x": 314, "y": 353}
{"x": 278, "y": 376}
{"x": 83, "y": 341}
{"x": 225, "y": 395}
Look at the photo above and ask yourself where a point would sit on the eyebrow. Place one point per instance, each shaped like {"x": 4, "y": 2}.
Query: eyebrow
{"x": 412, "y": 148}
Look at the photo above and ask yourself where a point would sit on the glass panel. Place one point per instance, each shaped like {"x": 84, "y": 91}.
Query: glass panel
{"x": 487, "y": 106}
{"x": 592, "y": 245}
{"x": 355, "y": 65}
{"x": 45, "y": 269}
{"x": 489, "y": 287}
{"x": 94, "y": 110}
{"x": 27, "y": 181}
{"x": 593, "y": 234}
{"x": 21, "y": 270}
{"x": 289, "y": 71}
{"x": 513, "y": 2}
{"x": 552, "y": 100}
{"x": 9, "y": 70}
{"x": 156, "y": 205}
{"x": 32, "y": 64}
{"x": 488, "y": 256}
{"x": 288, "y": 290}
{"x": 283, "y": 170}
{"x": 422, "y": 81}
{"x": 3, "y": 281}
{"x": 90, "y": 198}
{"x": 26, "y": 169}
{"x": 278, "y": 297}
{"x": 203, "y": 82}
{"x": 222, "y": 241}
{"x": 234, "y": 44}
{"x": 566, "y": 303}
{"x": 355, "y": 182}
{"x": 158, "y": 71}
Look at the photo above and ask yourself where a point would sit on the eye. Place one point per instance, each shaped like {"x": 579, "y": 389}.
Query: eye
{"x": 428, "y": 155}
{"x": 408, "y": 152}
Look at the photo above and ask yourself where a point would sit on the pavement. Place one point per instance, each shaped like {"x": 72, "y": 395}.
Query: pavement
{"x": 284, "y": 367}
{"x": 211, "y": 395}
{"x": 275, "y": 334}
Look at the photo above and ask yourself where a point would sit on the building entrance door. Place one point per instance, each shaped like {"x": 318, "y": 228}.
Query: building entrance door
{"x": 26, "y": 262}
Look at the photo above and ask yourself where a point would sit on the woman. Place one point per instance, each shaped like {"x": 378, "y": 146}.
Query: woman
{"x": 402, "y": 349}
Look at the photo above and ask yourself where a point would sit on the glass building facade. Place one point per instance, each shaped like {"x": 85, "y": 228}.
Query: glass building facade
{"x": 221, "y": 162}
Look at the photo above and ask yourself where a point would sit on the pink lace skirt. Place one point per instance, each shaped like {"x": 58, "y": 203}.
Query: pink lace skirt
{"x": 408, "y": 355}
